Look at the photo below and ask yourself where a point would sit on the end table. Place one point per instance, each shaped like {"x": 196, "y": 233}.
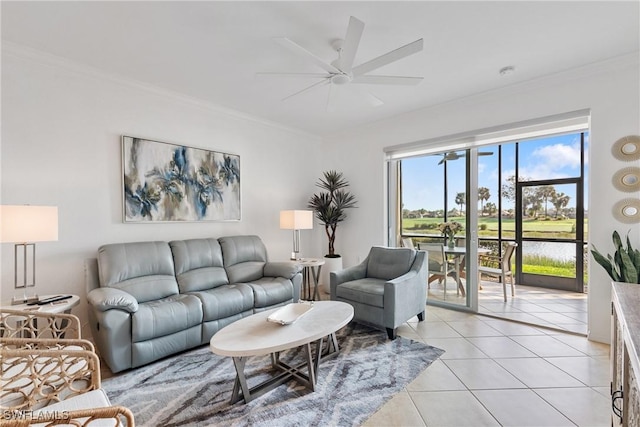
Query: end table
{"x": 310, "y": 272}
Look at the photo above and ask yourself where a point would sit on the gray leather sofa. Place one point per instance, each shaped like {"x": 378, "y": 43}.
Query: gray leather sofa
{"x": 386, "y": 289}
{"x": 156, "y": 298}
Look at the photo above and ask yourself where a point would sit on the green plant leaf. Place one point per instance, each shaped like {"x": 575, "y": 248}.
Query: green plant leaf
{"x": 604, "y": 262}
{"x": 617, "y": 242}
{"x": 628, "y": 269}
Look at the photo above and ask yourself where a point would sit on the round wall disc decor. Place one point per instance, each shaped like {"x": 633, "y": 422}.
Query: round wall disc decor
{"x": 627, "y": 148}
{"x": 627, "y": 179}
{"x": 627, "y": 211}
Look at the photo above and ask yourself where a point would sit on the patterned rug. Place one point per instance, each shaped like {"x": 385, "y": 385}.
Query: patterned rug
{"x": 194, "y": 388}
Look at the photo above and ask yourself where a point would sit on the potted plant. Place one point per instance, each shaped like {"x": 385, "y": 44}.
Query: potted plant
{"x": 330, "y": 207}
{"x": 624, "y": 265}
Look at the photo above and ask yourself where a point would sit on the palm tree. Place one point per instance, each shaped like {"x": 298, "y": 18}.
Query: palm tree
{"x": 461, "y": 199}
{"x": 483, "y": 195}
{"x": 330, "y": 205}
{"x": 545, "y": 193}
{"x": 560, "y": 201}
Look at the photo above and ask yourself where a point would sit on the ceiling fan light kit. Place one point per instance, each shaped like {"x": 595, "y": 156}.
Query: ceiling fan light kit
{"x": 341, "y": 71}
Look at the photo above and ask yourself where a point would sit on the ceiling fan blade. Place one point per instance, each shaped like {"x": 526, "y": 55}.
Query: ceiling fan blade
{"x": 297, "y": 49}
{"x": 330, "y": 98}
{"x": 320, "y": 83}
{"x": 441, "y": 161}
{"x": 485, "y": 153}
{"x": 387, "y": 80}
{"x": 373, "y": 100}
{"x": 351, "y": 43}
{"x": 387, "y": 58}
{"x": 297, "y": 75}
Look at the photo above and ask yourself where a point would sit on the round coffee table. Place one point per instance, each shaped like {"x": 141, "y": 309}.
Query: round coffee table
{"x": 254, "y": 335}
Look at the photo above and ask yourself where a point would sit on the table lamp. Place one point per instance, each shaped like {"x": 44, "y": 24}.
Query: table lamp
{"x": 24, "y": 225}
{"x": 296, "y": 221}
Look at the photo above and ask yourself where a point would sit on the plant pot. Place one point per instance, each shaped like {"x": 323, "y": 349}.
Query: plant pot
{"x": 330, "y": 264}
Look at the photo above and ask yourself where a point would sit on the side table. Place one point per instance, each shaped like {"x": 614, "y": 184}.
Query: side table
{"x": 62, "y": 306}
{"x": 310, "y": 272}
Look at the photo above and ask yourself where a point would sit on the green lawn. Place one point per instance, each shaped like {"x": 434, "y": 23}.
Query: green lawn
{"x": 488, "y": 227}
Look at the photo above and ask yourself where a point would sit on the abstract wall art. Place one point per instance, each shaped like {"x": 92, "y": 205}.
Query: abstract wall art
{"x": 165, "y": 182}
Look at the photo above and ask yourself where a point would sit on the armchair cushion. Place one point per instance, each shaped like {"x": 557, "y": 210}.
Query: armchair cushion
{"x": 387, "y": 265}
{"x": 368, "y": 291}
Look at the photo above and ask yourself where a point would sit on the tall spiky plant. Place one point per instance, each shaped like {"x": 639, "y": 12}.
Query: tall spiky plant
{"x": 330, "y": 205}
{"x": 624, "y": 266}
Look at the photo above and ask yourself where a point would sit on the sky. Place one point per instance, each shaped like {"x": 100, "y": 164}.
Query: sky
{"x": 546, "y": 158}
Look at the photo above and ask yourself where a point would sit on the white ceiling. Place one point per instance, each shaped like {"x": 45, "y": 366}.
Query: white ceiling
{"x": 212, "y": 50}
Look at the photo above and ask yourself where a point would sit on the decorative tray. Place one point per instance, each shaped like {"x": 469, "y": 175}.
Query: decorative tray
{"x": 290, "y": 313}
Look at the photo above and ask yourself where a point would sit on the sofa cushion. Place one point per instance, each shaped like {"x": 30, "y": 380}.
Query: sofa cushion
{"x": 165, "y": 316}
{"x": 271, "y": 290}
{"x": 142, "y": 269}
{"x": 368, "y": 291}
{"x": 388, "y": 264}
{"x": 198, "y": 264}
{"x": 244, "y": 257}
{"x": 225, "y": 301}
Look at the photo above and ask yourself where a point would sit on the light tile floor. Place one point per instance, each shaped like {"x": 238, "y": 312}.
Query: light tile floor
{"x": 539, "y": 306}
{"x": 497, "y": 372}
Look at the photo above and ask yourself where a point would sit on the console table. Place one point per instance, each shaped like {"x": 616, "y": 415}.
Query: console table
{"x": 625, "y": 364}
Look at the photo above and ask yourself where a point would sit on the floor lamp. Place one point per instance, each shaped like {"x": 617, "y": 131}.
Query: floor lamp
{"x": 24, "y": 225}
{"x": 296, "y": 221}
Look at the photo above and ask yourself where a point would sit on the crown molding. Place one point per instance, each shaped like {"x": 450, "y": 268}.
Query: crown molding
{"x": 47, "y": 59}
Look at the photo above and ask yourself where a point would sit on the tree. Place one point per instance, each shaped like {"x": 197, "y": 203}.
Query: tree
{"x": 491, "y": 208}
{"x": 560, "y": 201}
{"x": 483, "y": 195}
{"x": 461, "y": 200}
{"x": 544, "y": 193}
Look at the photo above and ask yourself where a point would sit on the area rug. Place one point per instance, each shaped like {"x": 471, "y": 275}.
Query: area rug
{"x": 194, "y": 388}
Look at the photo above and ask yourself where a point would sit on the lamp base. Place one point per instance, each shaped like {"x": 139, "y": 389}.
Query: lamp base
{"x": 294, "y": 256}
{"x": 24, "y": 300}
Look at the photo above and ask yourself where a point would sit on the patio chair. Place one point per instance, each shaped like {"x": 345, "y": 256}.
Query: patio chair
{"x": 439, "y": 266}
{"x": 499, "y": 267}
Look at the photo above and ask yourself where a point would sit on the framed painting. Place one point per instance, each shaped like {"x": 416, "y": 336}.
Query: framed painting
{"x": 165, "y": 182}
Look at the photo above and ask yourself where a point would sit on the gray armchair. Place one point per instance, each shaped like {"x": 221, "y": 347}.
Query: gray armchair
{"x": 388, "y": 288}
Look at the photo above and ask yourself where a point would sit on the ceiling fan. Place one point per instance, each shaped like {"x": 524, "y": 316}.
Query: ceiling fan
{"x": 452, "y": 155}
{"x": 342, "y": 72}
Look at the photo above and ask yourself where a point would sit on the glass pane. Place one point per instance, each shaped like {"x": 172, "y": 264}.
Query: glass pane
{"x": 488, "y": 193}
{"x": 549, "y": 158}
{"x": 508, "y": 191}
{"x": 549, "y": 258}
{"x": 422, "y": 196}
{"x": 549, "y": 211}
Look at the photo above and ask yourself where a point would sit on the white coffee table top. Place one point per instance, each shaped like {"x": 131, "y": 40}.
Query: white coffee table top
{"x": 253, "y": 335}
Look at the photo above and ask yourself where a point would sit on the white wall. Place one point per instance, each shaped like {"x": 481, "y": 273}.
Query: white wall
{"x": 61, "y": 129}
{"x": 610, "y": 90}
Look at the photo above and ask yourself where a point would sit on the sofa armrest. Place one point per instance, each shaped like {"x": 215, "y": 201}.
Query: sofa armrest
{"x": 286, "y": 269}
{"x": 103, "y": 299}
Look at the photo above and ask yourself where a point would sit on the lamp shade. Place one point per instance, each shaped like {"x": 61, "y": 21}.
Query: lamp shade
{"x": 296, "y": 220}
{"x": 26, "y": 223}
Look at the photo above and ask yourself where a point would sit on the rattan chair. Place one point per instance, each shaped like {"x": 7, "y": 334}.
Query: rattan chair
{"x": 51, "y": 381}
